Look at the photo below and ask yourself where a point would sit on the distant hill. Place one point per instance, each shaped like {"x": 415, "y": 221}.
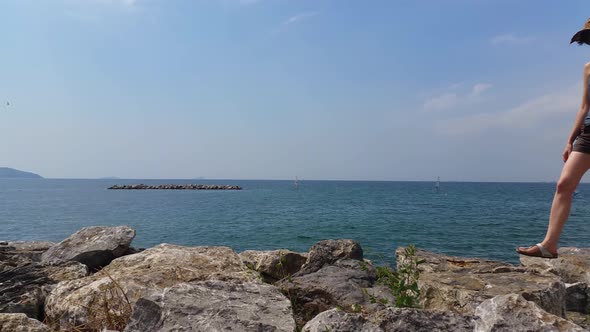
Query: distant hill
{"x": 11, "y": 173}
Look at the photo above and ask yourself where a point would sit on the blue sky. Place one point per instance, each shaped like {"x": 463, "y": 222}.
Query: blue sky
{"x": 467, "y": 90}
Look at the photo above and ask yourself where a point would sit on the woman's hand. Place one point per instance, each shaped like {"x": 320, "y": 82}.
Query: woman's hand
{"x": 567, "y": 151}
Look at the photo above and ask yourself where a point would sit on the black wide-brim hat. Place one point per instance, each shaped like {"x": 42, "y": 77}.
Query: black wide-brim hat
{"x": 582, "y": 36}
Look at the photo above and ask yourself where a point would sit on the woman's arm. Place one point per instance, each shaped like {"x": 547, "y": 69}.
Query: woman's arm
{"x": 579, "y": 122}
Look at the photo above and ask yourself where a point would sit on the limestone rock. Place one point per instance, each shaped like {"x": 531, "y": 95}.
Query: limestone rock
{"x": 342, "y": 284}
{"x": 576, "y": 298}
{"x": 334, "y": 275}
{"x": 461, "y": 284}
{"x": 134, "y": 276}
{"x": 405, "y": 319}
{"x": 24, "y": 289}
{"x": 213, "y": 306}
{"x": 391, "y": 319}
{"x": 30, "y": 246}
{"x": 513, "y": 313}
{"x": 20, "y": 323}
{"x": 273, "y": 265}
{"x": 95, "y": 247}
{"x": 338, "y": 320}
{"x": 573, "y": 267}
{"x": 572, "y": 264}
{"x": 434, "y": 262}
{"x": 463, "y": 292}
{"x": 132, "y": 251}
{"x": 19, "y": 253}
{"x": 328, "y": 252}
{"x": 579, "y": 319}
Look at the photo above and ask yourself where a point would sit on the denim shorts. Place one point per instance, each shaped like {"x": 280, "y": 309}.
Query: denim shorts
{"x": 582, "y": 142}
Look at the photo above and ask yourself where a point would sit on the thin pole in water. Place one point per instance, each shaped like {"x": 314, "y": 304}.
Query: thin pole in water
{"x": 437, "y": 185}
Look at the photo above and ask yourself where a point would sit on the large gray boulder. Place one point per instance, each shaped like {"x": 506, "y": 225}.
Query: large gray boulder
{"x": 23, "y": 289}
{"x": 461, "y": 284}
{"x": 213, "y": 306}
{"x": 572, "y": 264}
{"x": 19, "y": 253}
{"x": 513, "y": 313}
{"x": 335, "y": 275}
{"x": 579, "y": 319}
{"x": 342, "y": 284}
{"x": 275, "y": 264}
{"x": 129, "y": 278}
{"x": 434, "y": 262}
{"x": 463, "y": 292}
{"x": 328, "y": 252}
{"x": 391, "y": 319}
{"x": 20, "y": 323}
{"x": 573, "y": 267}
{"x": 419, "y": 320}
{"x": 33, "y": 247}
{"x": 576, "y": 297}
{"x": 95, "y": 247}
{"x": 339, "y": 320}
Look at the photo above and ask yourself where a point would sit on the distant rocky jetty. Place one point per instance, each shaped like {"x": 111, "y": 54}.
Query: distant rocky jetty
{"x": 95, "y": 281}
{"x": 174, "y": 187}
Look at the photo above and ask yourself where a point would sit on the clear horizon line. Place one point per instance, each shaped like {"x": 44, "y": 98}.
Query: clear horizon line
{"x": 300, "y": 179}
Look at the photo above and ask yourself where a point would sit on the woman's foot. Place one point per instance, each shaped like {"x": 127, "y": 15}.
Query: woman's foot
{"x": 537, "y": 250}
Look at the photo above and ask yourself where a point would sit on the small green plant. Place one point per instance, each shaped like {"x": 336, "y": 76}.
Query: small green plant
{"x": 281, "y": 264}
{"x": 403, "y": 282}
{"x": 363, "y": 266}
{"x": 356, "y": 308}
{"x": 373, "y": 298}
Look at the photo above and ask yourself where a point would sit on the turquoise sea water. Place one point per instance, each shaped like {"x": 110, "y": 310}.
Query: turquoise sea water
{"x": 467, "y": 219}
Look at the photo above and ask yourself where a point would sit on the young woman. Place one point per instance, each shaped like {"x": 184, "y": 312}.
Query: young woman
{"x": 576, "y": 156}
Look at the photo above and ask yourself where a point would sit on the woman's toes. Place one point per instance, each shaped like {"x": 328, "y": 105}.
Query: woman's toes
{"x": 528, "y": 250}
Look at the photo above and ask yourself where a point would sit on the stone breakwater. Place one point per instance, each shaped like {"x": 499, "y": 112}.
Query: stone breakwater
{"x": 95, "y": 281}
{"x": 174, "y": 187}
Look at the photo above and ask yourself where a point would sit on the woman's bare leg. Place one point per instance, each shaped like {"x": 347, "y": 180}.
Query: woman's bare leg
{"x": 576, "y": 165}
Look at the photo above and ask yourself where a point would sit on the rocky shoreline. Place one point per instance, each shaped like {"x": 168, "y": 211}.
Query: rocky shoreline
{"x": 174, "y": 187}
{"x": 95, "y": 281}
